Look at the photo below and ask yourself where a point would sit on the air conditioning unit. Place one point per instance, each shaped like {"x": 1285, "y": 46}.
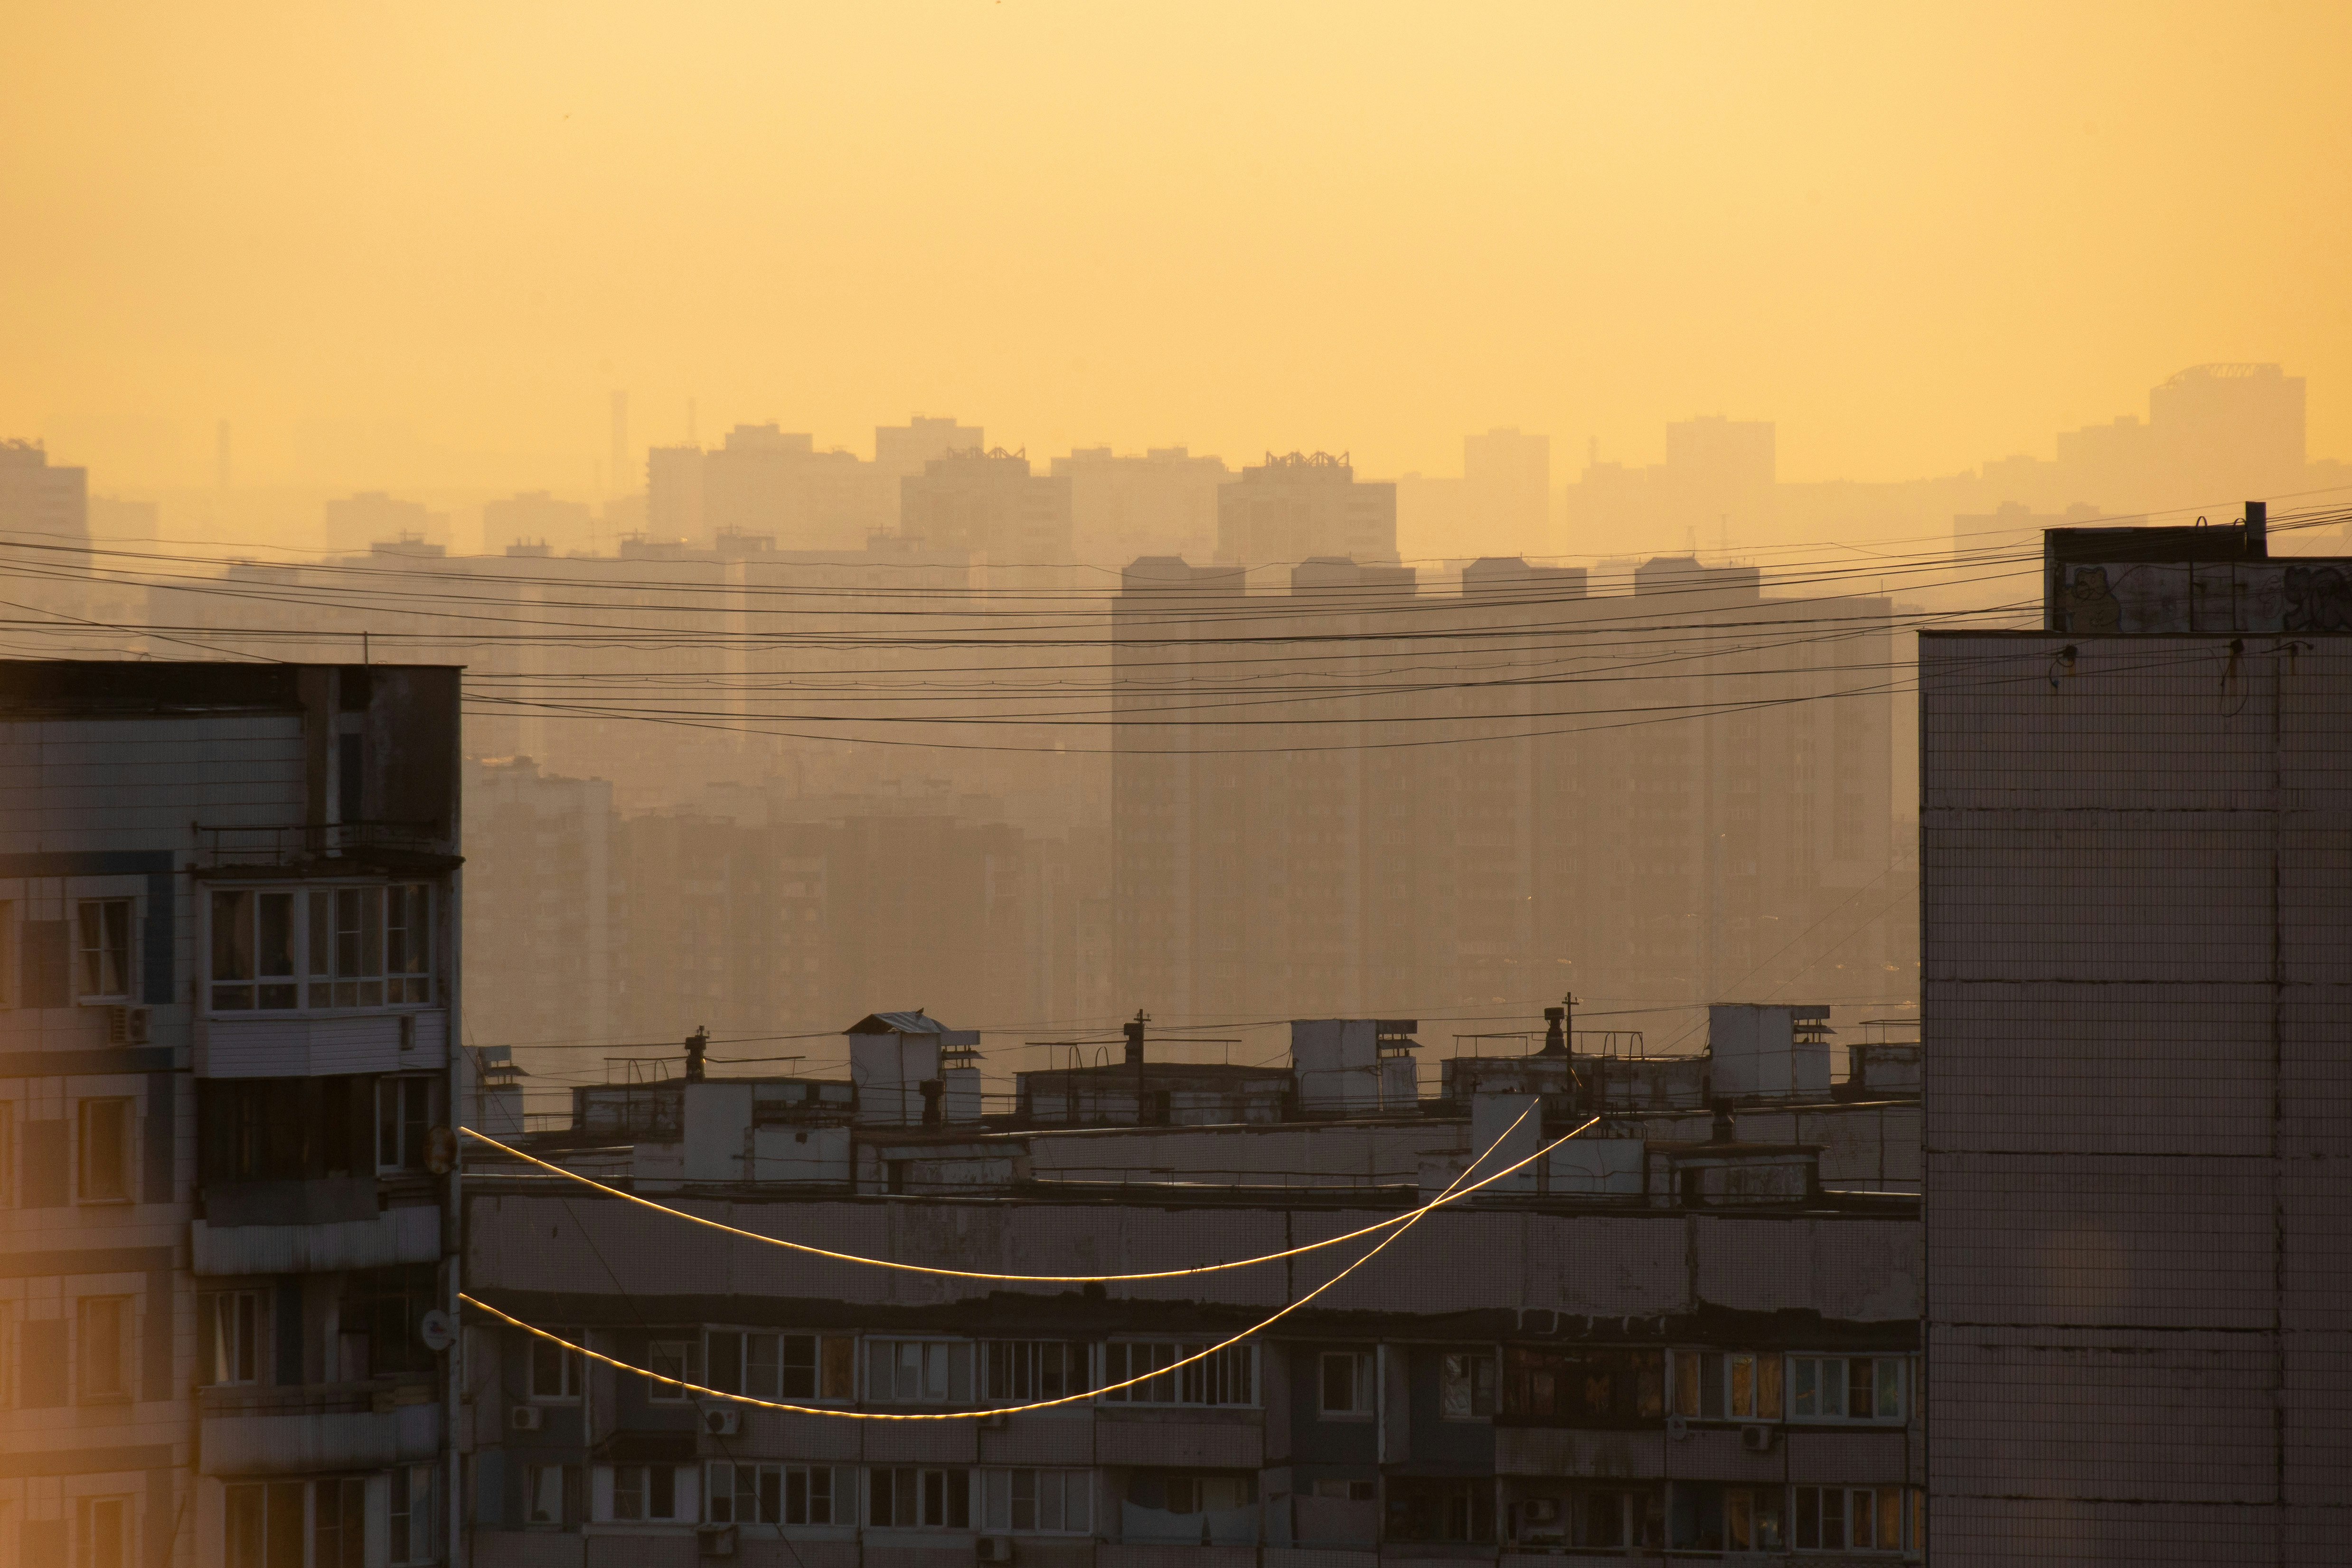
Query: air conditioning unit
{"x": 127, "y": 1025}
{"x": 715, "y": 1540}
{"x": 1757, "y": 1439}
{"x": 526, "y": 1419}
{"x": 1540, "y": 1510}
{"x": 995, "y": 1549}
{"x": 722, "y": 1420}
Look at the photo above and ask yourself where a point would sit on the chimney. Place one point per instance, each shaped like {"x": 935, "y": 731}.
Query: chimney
{"x": 1555, "y": 1032}
{"x": 1134, "y": 1028}
{"x": 697, "y": 1044}
{"x": 2258, "y": 530}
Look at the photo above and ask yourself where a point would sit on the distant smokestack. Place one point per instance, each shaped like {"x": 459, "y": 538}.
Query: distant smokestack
{"x": 698, "y": 1045}
{"x": 1134, "y": 1028}
{"x": 2258, "y": 530}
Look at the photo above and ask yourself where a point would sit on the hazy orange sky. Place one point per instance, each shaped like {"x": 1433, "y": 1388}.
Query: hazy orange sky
{"x": 388, "y": 239}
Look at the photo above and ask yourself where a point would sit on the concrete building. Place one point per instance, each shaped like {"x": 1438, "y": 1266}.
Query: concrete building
{"x": 42, "y": 502}
{"x": 987, "y": 505}
{"x": 1689, "y": 1331}
{"x": 1162, "y": 503}
{"x": 228, "y": 929}
{"x": 2135, "y": 1013}
{"x": 537, "y": 518}
{"x": 1363, "y": 796}
{"x": 1296, "y": 507}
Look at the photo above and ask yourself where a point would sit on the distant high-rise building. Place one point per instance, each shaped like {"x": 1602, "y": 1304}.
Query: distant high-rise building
{"x": 674, "y": 493}
{"x": 1162, "y": 503}
{"x": 536, "y": 517}
{"x": 1718, "y": 477}
{"x": 989, "y": 505}
{"x": 1506, "y": 486}
{"x": 900, "y": 450}
{"x": 1299, "y": 506}
{"x": 2225, "y": 431}
{"x": 766, "y": 481}
{"x": 1431, "y": 799}
{"x": 40, "y": 500}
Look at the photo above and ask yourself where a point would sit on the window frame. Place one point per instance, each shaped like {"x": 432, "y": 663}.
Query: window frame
{"x": 122, "y": 1510}
{"x": 1070, "y": 1479}
{"x": 954, "y": 1495}
{"x": 412, "y": 1507}
{"x": 1026, "y": 1375}
{"x": 85, "y": 992}
{"x": 1240, "y": 1361}
{"x": 1468, "y": 1379}
{"x": 840, "y": 1489}
{"x": 117, "y": 1188}
{"x": 571, "y": 1495}
{"x": 829, "y": 1355}
{"x": 1842, "y": 1383}
{"x": 402, "y": 1130}
{"x": 243, "y": 1319}
{"x": 571, "y": 1367}
{"x": 673, "y": 1358}
{"x": 1909, "y": 1503}
{"x": 1359, "y": 1369}
{"x": 946, "y": 1350}
{"x": 122, "y": 1311}
{"x": 352, "y": 947}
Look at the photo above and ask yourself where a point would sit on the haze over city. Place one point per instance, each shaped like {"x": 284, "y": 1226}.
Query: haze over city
{"x": 1144, "y": 787}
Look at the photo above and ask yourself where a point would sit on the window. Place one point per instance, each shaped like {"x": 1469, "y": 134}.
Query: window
{"x": 263, "y": 1527}
{"x": 102, "y": 1532}
{"x": 1022, "y": 1371}
{"x": 915, "y": 1497}
{"x": 339, "y": 1522}
{"x": 1734, "y": 1385}
{"x": 102, "y": 950}
{"x": 1751, "y": 1520}
{"x": 1584, "y": 1385}
{"x": 408, "y": 944}
{"x": 552, "y": 1496}
{"x": 1420, "y": 1509}
{"x": 379, "y": 1319}
{"x": 782, "y": 1494}
{"x": 557, "y": 1373}
{"x": 102, "y": 1329}
{"x": 227, "y": 1334}
{"x": 918, "y": 1372}
{"x": 781, "y": 1365}
{"x": 1346, "y": 1384}
{"x": 1228, "y": 1377}
{"x": 285, "y": 1129}
{"x": 1856, "y": 1518}
{"x": 403, "y": 1117}
{"x": 105, "y": 1166}
{"x": 370, "y": 946}
{"x": 1178, "y": 1493}
{"x": 677, "y": 1358}
{"x": 1465, "y": 1386}
{"x": 1044, "y": 1502}
{"x": 648, "y": 1493}
{"x": 253, "y": 950}
{"x": 1847, "y": 1389}
{"x": 415, "y": 1537}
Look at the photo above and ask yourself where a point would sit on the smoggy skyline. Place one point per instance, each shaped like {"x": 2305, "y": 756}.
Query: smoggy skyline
{"x": 429, "y": 247}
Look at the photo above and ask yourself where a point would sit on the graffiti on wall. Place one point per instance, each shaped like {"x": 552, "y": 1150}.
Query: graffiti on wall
{"x": 2205, "y": 596}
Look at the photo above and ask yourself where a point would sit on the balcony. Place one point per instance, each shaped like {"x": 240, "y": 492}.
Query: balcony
{"x": 321, "y": 1427}
{"x": 309, "y": 1228}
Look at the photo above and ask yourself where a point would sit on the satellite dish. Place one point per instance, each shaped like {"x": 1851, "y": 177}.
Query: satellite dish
{"x": 435, "y": 1330}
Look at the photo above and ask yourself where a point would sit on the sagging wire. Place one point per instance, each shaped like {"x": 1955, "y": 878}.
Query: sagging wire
{"x": 981, "y": 1274}
{"x": 1402, "y": 1222}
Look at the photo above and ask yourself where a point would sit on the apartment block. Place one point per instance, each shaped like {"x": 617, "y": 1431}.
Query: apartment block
{"x": 1691, "y": 1331}
{"x": 2138, "y": 1110}
{"x": 228, "y": 927}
